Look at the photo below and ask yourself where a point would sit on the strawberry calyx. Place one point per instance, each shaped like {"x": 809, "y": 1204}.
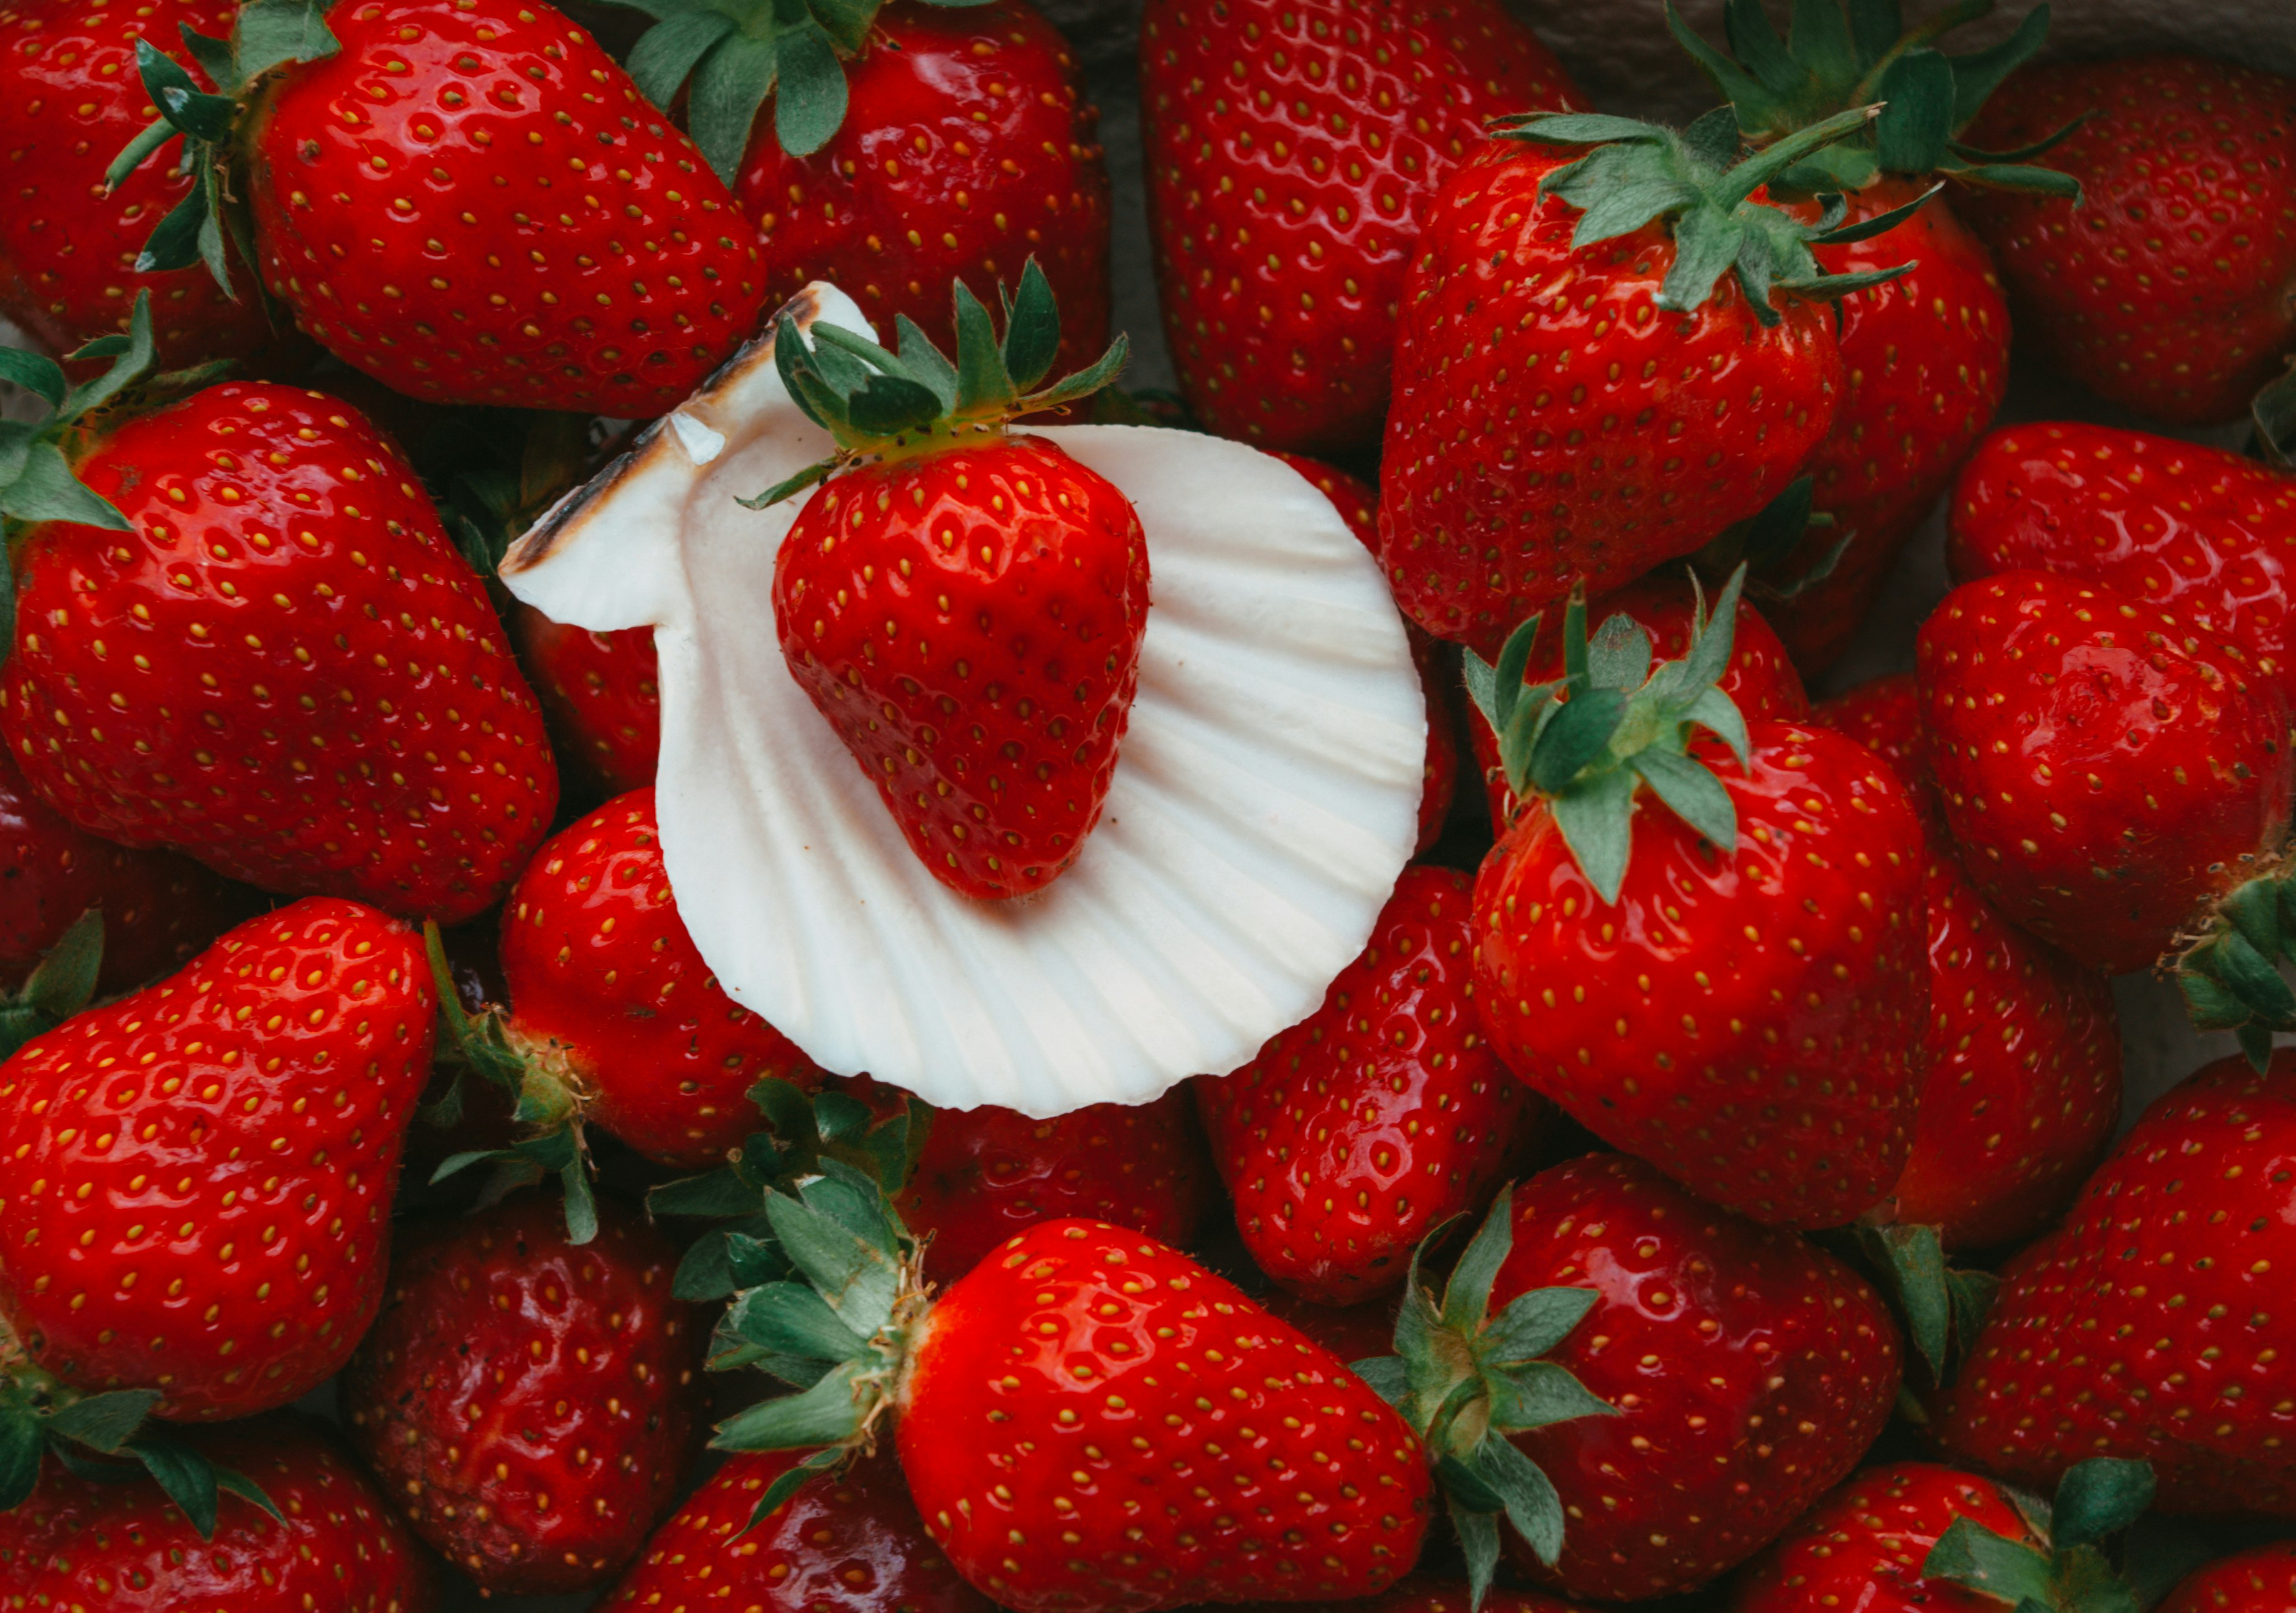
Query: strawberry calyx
{"x": 2097, "y": 1553}
{"x": 886, "y": 405}
{"x": 1766, "y": 541}
{"x": 2228, "y": 970}
{"x": 1857, "y": 53}
{"x": 1587, "y": 743}
{"x": 2272, "y": 421}
{"x": 1939, "y": 1305}
{"x": 1695, "y": 181}
{"x": 59, "y": 986}
{"x": 1464, "y": 1379}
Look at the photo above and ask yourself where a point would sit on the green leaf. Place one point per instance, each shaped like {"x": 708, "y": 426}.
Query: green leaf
{"x": 2273, "y": 415}
{"x": 753, "y": 1260}
{"x": 1874, "y": 25}
{"x": 1971, "y": 1555}
{"x": 2250, "y": 977}
{"x": 1478, "y": 1542}
{"x": 858, "y": 1280}
{"x": 1619, "y": 656}
{"x": 809, "y": 101}
{"x": 1690, "y": 792}
{"x": 1388, "y": 1376}
{"x": 199, "y": 115}
{"x": 1756, "y": 43}
{"x": 886, "y": 405}
{"x": 1720, "y": 715}
{"x": 926, "y": 362}
{"x": 1533, "y": 1323}
{"x": 1584, "y": 128}
{"x": 213, "y": 55}
{"x": 1712, "y": 140}
{"x": 174, "y": 244}
{"x": 185, "y": 1476}
{"x": 981, "y": 376}
{"x": 729, "y": 85}
{"x": 1032, "y": 328}
{"x": 232, "y": 1481}
{"x": 1915, "y": 1259}
{"x": 131, "y": 356}
{"x": 703, "y": 1273}
{"x": 2255, "y": 1042}
{"x": 855, "y": 1201}
{"x": 1531, "y": 1394}
{"x": 1820, "y": 41}
{"x": 45, "y": 490}
{"x": 2019, "y": 178}
{"x": 1880, "y": 224}
{"x": 104, "y": 1422}
{"x": 793, "y": 1319}
{"x": 21, "y": 1445}
{"x": 63, "y": 983}
{"x": 581, "y": 1204}
{"x": 1577, "y": 736}
{"x": 719, "y": 1193}
{"x": 273, "y": 33}
{"x": 1102, "y": 371}
{"x": 2254, "y": 910}
{"x": 454, "y": 1164}
{"x": 846, "y": 22}
{"x": 2098, "y": 1499}
{"x": 1979, "y": 74}
{"x": 1764, "y": 165}
{"x": 827, "y": 1414}
{"x": 35, "y": 374}
{"x": 132, "y": 156}
{"x": 1467, "y": 1297}
{"x": 1513, "y": 667}
{"x": 1706, "y": 243}
{"x": 1532, "y": 1506}
{"x": 1596, "y": 823}
{"x": 1754, "y": 104}
{"x": 1618, "y": 189}
{"x": 667, "y": 52}
{"x": 1917, "y": 112}
{"x": 789, "y": 1482}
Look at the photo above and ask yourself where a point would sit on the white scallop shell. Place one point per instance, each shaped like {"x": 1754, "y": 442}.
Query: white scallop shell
{"x": 1264, "y": 800}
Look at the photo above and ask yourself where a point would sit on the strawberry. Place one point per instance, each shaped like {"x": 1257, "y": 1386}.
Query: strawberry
{"x": 69, "y": 100}
{"x": 851, "y": 1542}
{"x": 1760, "y": 679}
{"x": 2208, "y": 534}
{"x": 1378, "y": 1117}
{"x": 599, "y": 696}
{"x": 1419, "y": 1594}
{"x": 159, "y": 908}
{"x": 199, "y": 1175}
{"x": 2116, "y": 780}
{"x": 1490, "y": 503}
{"x": 530, "y": 1406}
{"x": 469, "y": 200}
{"x": 989, "y": 706}
{"x": 1735, "y": 1372}
{"x": 2152, "y": 1326}
{"x": 2164, "y": 287}
{"x": 281, "y": 667}
{"x": 1294, "y": 153}
{"x": 2259, "y": 1580}
{"x": 1353, "y": 1333}
{"x": 94, "y": 1545}
{"x": 1884, "y": 715}
{"x": 1087, "y": 1419}
{"x": 1725, "y": 978}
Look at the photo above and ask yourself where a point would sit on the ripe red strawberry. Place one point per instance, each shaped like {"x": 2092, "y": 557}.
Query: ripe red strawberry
{"x": 1418, "y": 1594}
{"x": 530, "y": 1406}
{"x": 612, "y": 1005}
{"x": 2114, "y": 775}
{"x": 1294, "y": 152}
{"x": 1726, "y": 977}
{"x": 68, "y": 100}
{"x": 850, "y": 1543}
{"x": 1528, "y": 330}
{"x": 159, "y": 908}
{"x": 1378, "y": 1117}
{"x": 2165, "y": 287}
{"x": 2205, "y": 533}
{"x": 2153, "y": 1324}
{"x": 99, "y": 1546}
{"x": 199, "y": 1176}
{"x": 1087, "y": 1419}
{"x": 967, "y": 611}
{"x": 1760, "y": 679}
{"x": 599, "y": 694}
{"x": 471, "y": 201}
{"x": 284, "y": 669}
{"x": 1884, "y": 715}
{"x": 2259, "y": 1580}
{"x": 1353, "y": 1333}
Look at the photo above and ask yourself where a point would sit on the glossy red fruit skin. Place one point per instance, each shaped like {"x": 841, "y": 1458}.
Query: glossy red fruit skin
{"x": 1751, "y": 1371}
{"x": 69, "y": 100}
{"x": 446, "y": 203}
{"x": 1491, "y": 507}
{"x": 1761, "y": 677}
{"x": 2153, "y": 1324}
{"x": 2108, "y": 769}
{"x": 606, "y": 985}
{"x": 1222, "y": 1497}
{"x": 967, "y": 148}
{"x": 199, "y": 1175}
{"x": 599, "y": 694}
{"x": 987, "y": 1175}
{"x": 1384, "y": 1113}
{"x": 1353, "y": 1333}
{"x": 1014, "y": 583}
{"x": 2168, "y": 288}
{"x": 99, "y": 1547}
{"x": 1751, "y": 1024}
{"x": 1863, "y": 1546}
{"x": 2208, "y": 534}
{"x": 159, "y": 908}
{"x": 1423, "y": 1595}
{"x": 1925, "y": 361}
{"x": 2259, "y": 1580}
{"x": 326, "y": 706}
{"x": 1293, "y": 153}
{"x": 1884, "y": 715}
{"x": 529, "y": 1404}
{"x": 852, "y": 1543}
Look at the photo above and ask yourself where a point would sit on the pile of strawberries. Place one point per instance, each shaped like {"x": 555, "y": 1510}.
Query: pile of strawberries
{"x": 1709, "y": 1178}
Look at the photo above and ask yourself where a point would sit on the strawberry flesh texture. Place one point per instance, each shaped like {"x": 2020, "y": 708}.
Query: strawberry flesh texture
{"x": 1884, "y": 715}
{"x": 1925, "y": 360}
{"x": 2154, "y": 1324}
{"x": 531, "y": 1404}
{"x": 1294, "y": 152}
{"x": 473, "y": 203}
{"x": 201, "y": 1183}
{"x": 605, "y": 983}
{"x": 970, "y": 623}
{"x": 2260, "y": 1580}
{"x": 1356, "y": 1131}
{"x": 2171, "y": 288}
{"x": 2108, "y": 771}
{"x": 159, "y": 908}
{"x": 1751, "y": 1371}
{"x": 1516, "y": 352}
{"x": 600, "y": 696}
{"x": 2205, "y": 533}
{"x": 1750, "y": 1023}
{"x": 1092, "y": 1419}
{"x": 851, "y": 1543}
{"x": 967, "y": 148}
{"x": 98, "y": 1546}
{"x": 327, "y": 702}
{"x": 1353, "y": 1333}
{"x": 1760, "y": 678}
{"x": 1863, "y": 1546}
